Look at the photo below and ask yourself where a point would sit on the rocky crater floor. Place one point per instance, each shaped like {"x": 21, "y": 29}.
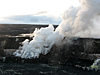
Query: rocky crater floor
{"x": 74, "y": 58}
{"x": 41, "y": 69}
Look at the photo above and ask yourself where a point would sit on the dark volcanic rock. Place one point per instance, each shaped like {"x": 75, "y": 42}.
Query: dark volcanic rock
{"x": 2, "y": 53}
{"x": 78, "y": 48}
{"x": 16, "y": 29}
{"x": 61, "y": 60}
{"x": 41, "y": 69}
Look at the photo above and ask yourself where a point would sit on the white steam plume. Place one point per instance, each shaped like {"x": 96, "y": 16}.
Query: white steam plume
{"x": 81, "y": 21}
{"x": 42, "y": 42}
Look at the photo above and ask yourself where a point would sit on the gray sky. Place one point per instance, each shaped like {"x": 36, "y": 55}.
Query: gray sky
{"x": 41, "y": 10}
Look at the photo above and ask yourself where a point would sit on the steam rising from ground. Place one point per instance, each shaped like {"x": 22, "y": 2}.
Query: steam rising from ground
{"x": 77, "y": 21}
{"x": 42, "y": 42}
{"x": 82, "y": 21}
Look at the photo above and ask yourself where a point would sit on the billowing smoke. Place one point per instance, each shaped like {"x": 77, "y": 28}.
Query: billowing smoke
{"x": 80, "y": 21}
{"x": 42, "y": 42}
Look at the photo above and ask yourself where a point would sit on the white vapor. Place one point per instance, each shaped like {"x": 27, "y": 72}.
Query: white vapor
{"x": 42, "y": 42}
{"x": 80, "y": 21}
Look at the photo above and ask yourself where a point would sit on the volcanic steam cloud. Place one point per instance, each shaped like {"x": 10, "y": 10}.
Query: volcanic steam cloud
{"x": 82, "y": 21}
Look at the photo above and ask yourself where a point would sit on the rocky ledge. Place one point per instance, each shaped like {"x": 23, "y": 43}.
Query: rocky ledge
{"x": 73, "y": 48}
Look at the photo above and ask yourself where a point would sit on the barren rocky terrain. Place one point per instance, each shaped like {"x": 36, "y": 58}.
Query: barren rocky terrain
{"x": 54, "y": 63}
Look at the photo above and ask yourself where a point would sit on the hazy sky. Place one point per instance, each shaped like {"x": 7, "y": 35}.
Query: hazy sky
{"x": 49, "y": 8}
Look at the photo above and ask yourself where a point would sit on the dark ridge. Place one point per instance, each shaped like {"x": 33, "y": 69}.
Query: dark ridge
{"x": 59, "y": 61}
{"x": 16, "y": 29}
